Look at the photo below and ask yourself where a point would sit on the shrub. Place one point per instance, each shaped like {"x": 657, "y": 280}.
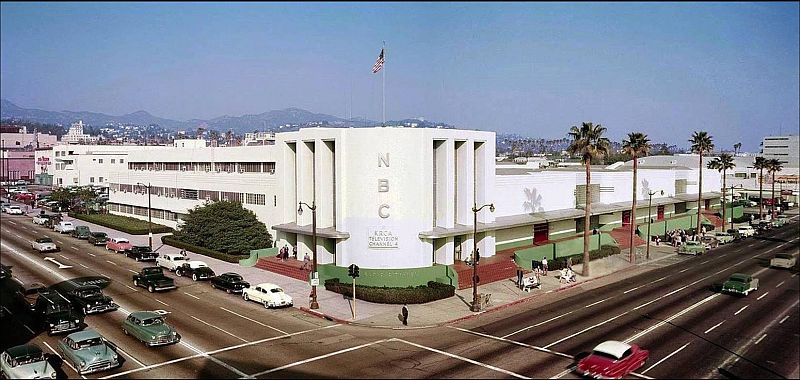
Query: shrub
{"x": 225, "y": 227}
{"x": 125, "y": 224}
{"x": 604, "y": 251}
{"x": 171, "y": 240}
{"x": 410, "y": 295}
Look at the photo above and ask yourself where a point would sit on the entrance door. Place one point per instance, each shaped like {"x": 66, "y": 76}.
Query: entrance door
{"x": 660, "y": 213}
{"x": 457, "y": 248}
{"x": 708, "y": 204}
{"x": 541, "y": 233}
{"x": 626, "y": 218}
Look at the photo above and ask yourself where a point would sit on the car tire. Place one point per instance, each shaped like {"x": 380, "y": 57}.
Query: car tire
{"x": 151, "y": 289}
{"x": 266, "y": 305}
{"x": 178, "y": 273}
{"x": 135, "y": 282}
{"x": 246, "y": 298}
{"x": 194, "y": 276}
{"x": 85, "y": 310}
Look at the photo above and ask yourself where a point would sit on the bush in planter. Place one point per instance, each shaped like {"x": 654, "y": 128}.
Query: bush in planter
{"x": 604, "y": 251}
{"x": 411, "y": 295}
{"x": 171, "y": 240}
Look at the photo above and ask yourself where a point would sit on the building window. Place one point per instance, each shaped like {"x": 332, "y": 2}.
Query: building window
{"x": 91, "y": 179}
{"x": 113, "y": 160}
{"x": 101, "y": 161}
{"x": 121, "y": 161}
{"x": 100, "y": 180}
{"x": 275, "y": 200}
{"x": 753, "y": 175}
{"x": 255, "y": 199}
{"x": 660, "y": 213}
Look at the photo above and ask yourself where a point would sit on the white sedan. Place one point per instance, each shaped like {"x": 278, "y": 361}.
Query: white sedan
{"x": 14, "y": 210}
{"x": 270, "y": 295}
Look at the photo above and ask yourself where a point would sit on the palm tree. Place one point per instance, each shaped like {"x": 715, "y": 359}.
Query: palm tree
{"x": 736, "y": 148}
{"x": 588, "y": 141}
{"x": 637, "y": 145}
{"x": 723, "y": 163}
{"x": 701, "y": 143}
{"x": 773, "y": 166}
{"x": 760, "y": 163}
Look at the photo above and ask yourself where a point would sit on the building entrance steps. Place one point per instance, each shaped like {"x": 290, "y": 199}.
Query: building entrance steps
{"x": 289, "y": 267}
{"x": 714, "y": 219}
{"x": 623, "y": 237}
{"x": 501, "y": 266}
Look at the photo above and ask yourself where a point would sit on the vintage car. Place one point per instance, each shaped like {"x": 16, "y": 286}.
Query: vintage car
{"x": 88, "y": 352}
{"x": 141, "y": 253}
{"x": 229, "y": 282}
{"x": 81, "y": 232}
{"x": 740, "y": 283}
{"x": 709, "y": 241}
{"x": 747, "y": 231}
{"x": 44, "y": 244}
{"x": 118, "y": 245}
{"x": 41, "y": 219}
{"x": 14, "y": 210}
{"x": 735, "y": 234}
{"x": 56, "y": 314}
{"x": 153, "y": 279}
{"x": 5, "y": 271}
{"x": 150, "y": 328}
{"x": 90, "y": 299}
{"x": 269, "y": 295}
{"x": 783, "y": 260}
{"x": 171, "y": 261}
{"x": 26, "y": 362}
{"x": 63, "y": 227}
{"x": 612, "y": 360}
{"x": 98, "y": 238}
{"x": 692, "y": 248}
{"x": 27, "y": 294}
{"x": 723, "y": 237}
{"x": 197, "y": 270}
{"x": 780, "y": 221}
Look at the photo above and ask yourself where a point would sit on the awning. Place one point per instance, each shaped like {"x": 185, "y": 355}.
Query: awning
{"x": 329, "y": 232}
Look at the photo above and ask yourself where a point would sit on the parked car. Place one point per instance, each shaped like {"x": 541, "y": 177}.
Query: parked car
{"x": 723, "y": 237}
{"x": 118, "y": 245}
{"x": 14, "y": 210}
{"x": 780, "y": 221}
{"x": 735, "y": 234}
{"x": 141, "y": 253}
{"x": 41, "y": 219}
{"x": 764, "y": 225}
{"x": 88, "y": 352}
{"x": 197, "y": 270}
{"x": 612, "y": 360}
{"x": 269, "y": 295}
{"x": 56, "y": 313}
{"x": 4, "y": 205}
{"x": 44, "y": 244}
{"x": 783, "y": 260}
{"x": 171, "y": 261}
{"x": 747, "y": 231}
{"x": 21, "y": 182}
{"x": 81, "y": 232}
{"x": 150, "y": 328}
{"x": 740, "y": 283}
{"x": 26, "y": 361}
{"x": 64, "y": 227}
{"x": 229, "y": 282}
{"x": 24, "y": 197}
{"x": 98, "y": 238}
{"x": 153, "y": 279}
{"x": 692, "y": 248}
{"x": 709, "y": 241}
{"x": 90, "y": 299}
{"x": 27, "y": 294}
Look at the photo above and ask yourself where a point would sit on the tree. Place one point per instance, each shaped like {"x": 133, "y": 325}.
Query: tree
{"x": 84, "y": 199}
{"x": 736, "y": 148}
{"x": 637, "y": 145}
{"x": 225, "y": 227}
{"x": 589, "y": 143}
{"x": 63, "y": 196}
{"x": 773, "y": 166}
{"x": 701, "y": 143}
{"x": 760, "y": 163}
{"x": 723, "y": 163}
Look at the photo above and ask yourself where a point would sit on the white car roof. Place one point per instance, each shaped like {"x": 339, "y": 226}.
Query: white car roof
{"x": 196, "y": 263}
{"x": 267, "y": 285}
{"x": 14, "y": 206}
{"x": 613, "y": 348}
{"x": 172, "y": 255}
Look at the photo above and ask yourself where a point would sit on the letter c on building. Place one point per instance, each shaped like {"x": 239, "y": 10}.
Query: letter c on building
{"x": 381, "y": 213}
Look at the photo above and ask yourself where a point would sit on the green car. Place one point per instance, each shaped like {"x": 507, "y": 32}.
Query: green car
{"x": 150, "y": 328}
{"x": 26, "y": 362}
{"x": 692, "y": 248}
{"x": 723, "y": 237}
{"x": 740, "y": 283}
{"x": 88, "y": 352}
{"x": 779, "y": 221}
{"x": 81, "y": 232}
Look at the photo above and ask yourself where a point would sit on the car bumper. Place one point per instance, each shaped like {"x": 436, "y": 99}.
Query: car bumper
{"x": 281, "y": 304}
{"x": 163, "y": 341}
{"x": 56, "y": 249}
{"x": 168, "y": 287}
{"x": 62, "y": 329}
{"x": 92, "y": 368}
{"x": 101, "y": 308}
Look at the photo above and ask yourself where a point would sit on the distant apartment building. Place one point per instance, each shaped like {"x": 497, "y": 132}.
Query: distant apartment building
{"x": 75, "y": 135}
{"x": 784, "y": 148}
{"x": 19, "y": 137}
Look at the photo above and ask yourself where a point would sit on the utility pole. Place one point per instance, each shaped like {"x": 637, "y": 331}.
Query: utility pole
{"x": 476, "y": 305}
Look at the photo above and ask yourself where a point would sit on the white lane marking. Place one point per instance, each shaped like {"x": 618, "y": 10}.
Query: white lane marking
{"x": 779, "y": 284}
{"x": 665, "y": 358}
{"x": 762, "y": 296}
{"x": 783, "y": 320}
{"x": 468, "y": 360}
{"x": 74, "y": 247}
{"x": 40, "y": 265}
{"x": 62, "y": 359}
{"x": 92, "y": 254}
{"x": 161, "y": 302}
{"x": 562, "y": 374}
{"x": 133, "y": 271}
{"x": 60, "y": 266}
{"x": 585, "y": 330}
{"x": 703, "y": 262}
{"x": 632, "y": 289}
{"x": 290, "y": 365}
{"x": 131, "y": 288}
{"x": 793, "y": 276}
{"x": 63, "y": 256}
{"x": 760, "y": 339}
{"x": 213, "y": 359}
{"x": 537, "y": 325}
{"x": 18, "y": 235}
{"x": 592, "y": 304}
{"x": 112, "y": 263}
{"x": 29, "y": 329}
{"x": 12, "y": 222}
{"x": 207, "y": 353}
{"x": 713, "y": 327}
{"x": 513, "y": 342}
{"x": 253, "y": 320}
{"x": 218, "y": 328}
{"x": 190, "y": 295}
{"x": 684, "y": 270}
{"x": 741, "y": 310}
{"x": 664, "y": 322}
{"x": 662, "y": 278}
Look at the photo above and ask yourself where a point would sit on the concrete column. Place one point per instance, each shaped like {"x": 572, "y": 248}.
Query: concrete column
{"x": 323, "y": 169}
{"x": 465, "y": 181}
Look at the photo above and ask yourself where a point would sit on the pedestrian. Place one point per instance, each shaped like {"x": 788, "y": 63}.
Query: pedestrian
{"x": 306, "y": 262}
{"x": 404, "y": 313}
{"x": 183, "y": 252}
{"x": 658, "y": 240}
{"x": 703, "y": 228}
{"x": 294, "y": 252}
{"x": 285, "y": 252}
{"x": 544, "y": 265}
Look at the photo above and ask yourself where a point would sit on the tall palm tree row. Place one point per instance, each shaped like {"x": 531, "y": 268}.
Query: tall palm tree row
{"x": 589, "y": 143}
{"x": 773, "y": 166}
{"x": 701, "y": 143}
{"x": 760, "y": 163}
{"x": 723, "y": 163}
{"x": 637, "y": 145}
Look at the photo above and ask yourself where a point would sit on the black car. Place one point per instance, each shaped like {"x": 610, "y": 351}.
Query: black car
{"x": 90, "y": 299}
{"x": 56, "y": 313}
{"x": 26, "y": 295}
{"x": 197, "y": 270}
{"x": 98, "y": 238}
{"x": 230, "y": 282}
{"x": 5, "y": 272}
{"x": 81, "y": 232}
{"x": 141, "y": 253}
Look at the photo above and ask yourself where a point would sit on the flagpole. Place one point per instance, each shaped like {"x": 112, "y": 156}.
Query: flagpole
{"x": 383, "y": 91}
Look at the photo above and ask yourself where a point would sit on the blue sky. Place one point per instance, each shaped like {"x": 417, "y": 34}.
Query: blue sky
{"x": 528, "y": 68}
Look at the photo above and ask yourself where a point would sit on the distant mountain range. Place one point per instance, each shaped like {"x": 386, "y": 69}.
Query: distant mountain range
{"x": 267, "y": 121}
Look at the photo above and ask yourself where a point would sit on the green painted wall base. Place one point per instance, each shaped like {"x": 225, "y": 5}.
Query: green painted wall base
{"x": 257, "y": 254}
{"x": 392, "y": 277}
{"x": 563, "y": 248}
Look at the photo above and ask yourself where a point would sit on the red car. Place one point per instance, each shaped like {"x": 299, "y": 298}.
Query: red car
{"x": 118, "y": 245}
{"x": 22, "y": 197}
{"x": 613, "y": 360}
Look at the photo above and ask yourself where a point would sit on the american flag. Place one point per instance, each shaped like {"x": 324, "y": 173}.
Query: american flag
{"x": 378, "y": 64}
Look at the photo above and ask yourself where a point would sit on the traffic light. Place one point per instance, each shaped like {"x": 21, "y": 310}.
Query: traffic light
{"x": 352, "y": 270}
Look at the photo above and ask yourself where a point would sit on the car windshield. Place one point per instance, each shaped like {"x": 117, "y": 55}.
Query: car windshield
{"x": 84, "y": 344}
{"x": 783, "y": 256}
{"x": 90, "y": 293}
{"x": 179, "y": 258}
{"x": 99, "y": 234}
{"x": 276, "y": 290}
{"x": 235, "y": 277}
{"x": 28, "y": 359}
{"x": 157, "y": 321}
{"x": 44, "y": 240}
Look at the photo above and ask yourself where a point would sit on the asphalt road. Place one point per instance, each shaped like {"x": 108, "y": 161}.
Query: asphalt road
{"x": 690, "y": 330}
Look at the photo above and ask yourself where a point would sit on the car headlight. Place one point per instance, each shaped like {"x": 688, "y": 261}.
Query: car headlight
{"x": 51, "y": 325}
{"x": 53, "y": 375}
{"x": 115, "y": 357}
{"x": 83, "y": 363}
{"x": 77, "y": 321}
{"x": 153, "y": 337}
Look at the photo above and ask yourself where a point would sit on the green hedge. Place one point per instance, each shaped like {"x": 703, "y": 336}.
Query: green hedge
{"x": 173, "y": 241}
{"x": 410, "y": 295}
{"x": 125, "y": 224}
{"x": 604, "y": 251}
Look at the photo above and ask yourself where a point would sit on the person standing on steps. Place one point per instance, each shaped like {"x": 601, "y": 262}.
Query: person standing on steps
{"x": 544, "y": 265}
{"x": 404, "y": 313}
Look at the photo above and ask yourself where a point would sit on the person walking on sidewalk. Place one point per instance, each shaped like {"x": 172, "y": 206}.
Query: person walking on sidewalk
{"x": 544, "y": 265}
{"x": 404, "y": 313}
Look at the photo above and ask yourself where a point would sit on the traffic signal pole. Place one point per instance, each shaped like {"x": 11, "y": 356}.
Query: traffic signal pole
{"x": 354, "y": 298}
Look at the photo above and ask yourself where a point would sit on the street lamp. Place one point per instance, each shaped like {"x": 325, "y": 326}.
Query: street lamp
{"x": 149, "y": 215}
{"x": 741, "y": 186}
{"x": 313, "y": 208}
{"x": 476, "y": 306}
{"x": 649, "y": 219}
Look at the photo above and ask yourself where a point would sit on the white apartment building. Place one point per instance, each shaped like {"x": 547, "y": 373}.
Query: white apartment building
{"x": 81, "y": 165}
{"x": 75, "y": 135}
{"x": 784, "y": 148}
